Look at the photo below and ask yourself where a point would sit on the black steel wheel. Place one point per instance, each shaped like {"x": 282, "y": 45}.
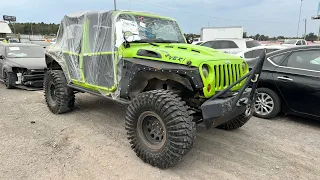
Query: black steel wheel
{"x": 151, "y": 130}
{"x": 160, "y": 128}
{"x": 59, "y": 97}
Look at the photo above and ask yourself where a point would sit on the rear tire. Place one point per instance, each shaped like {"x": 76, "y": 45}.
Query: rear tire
{"x": 59, "y": 97}
{"x": 238, "y": 121}
{"x": 160, "y": 128}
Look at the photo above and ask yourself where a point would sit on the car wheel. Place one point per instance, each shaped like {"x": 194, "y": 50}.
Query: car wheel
{"x": 8, "y": 79}
{"x": 267, "y": 104}
{"x": 160, "y": 128}
{"x": 59, "y": 97}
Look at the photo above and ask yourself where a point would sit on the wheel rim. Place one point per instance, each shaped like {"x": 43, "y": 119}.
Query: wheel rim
{"x": 264, "y": 104}
{"x": 151, "y": 130}
{"x": 52, "y": 93}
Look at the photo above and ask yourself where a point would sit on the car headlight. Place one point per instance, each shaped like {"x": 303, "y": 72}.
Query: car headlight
{"x": 244, "y": 66}
{"x": 205, "y": 70}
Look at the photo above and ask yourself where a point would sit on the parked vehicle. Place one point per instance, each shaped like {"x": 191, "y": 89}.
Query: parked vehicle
{"x": 230, "y": 32}
{"x": 290, "y": 82}
{"x": 231, "y": 46}
{"x": 198, "y": 43}
{"x": 142, "y": 59}
{"x": 22, "y": 64}
{"x": 294, "y": 42}
{"x": 253, "y": 53}
{"x": 43, "y": 44}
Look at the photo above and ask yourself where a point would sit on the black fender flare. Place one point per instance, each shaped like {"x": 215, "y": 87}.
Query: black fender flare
{"x": 139, "y": 71}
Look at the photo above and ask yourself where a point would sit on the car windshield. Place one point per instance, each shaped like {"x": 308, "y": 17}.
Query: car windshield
{"x": 251, "y": 44}
{"x": 148, "y": 29}
{"x": 24, "y": 52}
{"x": 290, "y": 42}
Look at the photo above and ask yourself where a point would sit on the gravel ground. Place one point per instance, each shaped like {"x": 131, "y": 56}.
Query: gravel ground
{"x": 90, "y": 143}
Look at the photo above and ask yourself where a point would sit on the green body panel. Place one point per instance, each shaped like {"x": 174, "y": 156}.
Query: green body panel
{"x": 179, "y": 53}
{"x": 224, "y": 69}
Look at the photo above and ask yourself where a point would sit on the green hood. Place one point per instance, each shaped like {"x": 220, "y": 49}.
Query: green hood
{"x": 177, "y": 53}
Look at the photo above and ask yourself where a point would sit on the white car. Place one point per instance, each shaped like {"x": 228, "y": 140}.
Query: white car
{"x": 294, "y": 42}
{"x": 198, "y": 42}
{"x": 231, "y": 46}
{"x": 255, "y": 52}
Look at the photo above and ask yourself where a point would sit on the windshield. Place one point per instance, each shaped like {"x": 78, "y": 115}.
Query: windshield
{"x": 290, "y": 42}
{"x": 251, "y": 44}
{"x": 24, "y": 52}
{"x": 151, "y": 29}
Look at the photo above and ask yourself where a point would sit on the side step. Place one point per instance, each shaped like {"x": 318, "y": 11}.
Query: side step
{"x": 81, "y": 89}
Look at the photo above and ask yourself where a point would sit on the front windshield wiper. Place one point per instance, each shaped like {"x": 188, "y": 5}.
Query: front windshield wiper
{"x": 165, "y": 41}
{"x": 154, "y": 41}
{"x": 145, "y": 41}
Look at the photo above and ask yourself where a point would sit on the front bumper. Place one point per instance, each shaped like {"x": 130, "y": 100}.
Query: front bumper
{"x": 218, "y": 111}
{"x": 33, "y": 78}
{"x": 221, "y": 108}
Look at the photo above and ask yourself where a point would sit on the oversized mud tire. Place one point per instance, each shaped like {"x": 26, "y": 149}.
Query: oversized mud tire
{"x": 238, "y": 121}
{"x": 9, "y": 80}
{"x": 160, "y": 128}
{"x": 59, "y": 97}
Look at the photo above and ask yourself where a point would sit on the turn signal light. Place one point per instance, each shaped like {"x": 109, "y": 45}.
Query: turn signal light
{"x": 209, "y": 87}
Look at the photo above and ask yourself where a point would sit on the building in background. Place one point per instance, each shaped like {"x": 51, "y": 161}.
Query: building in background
{"x": 4, "y": 29}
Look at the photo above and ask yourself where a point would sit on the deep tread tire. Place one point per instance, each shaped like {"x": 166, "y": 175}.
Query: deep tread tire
{"x": 180, "y": 128}
{"x": 64, "y": 96}
{"x": 236, "y": 122}
{"x": 277, "y": 104}
{"x": 9, "y": 79}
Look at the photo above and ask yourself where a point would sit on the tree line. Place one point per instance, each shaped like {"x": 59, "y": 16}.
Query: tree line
{"x": 34, "y": 28}
{"x": 261, "y": 37}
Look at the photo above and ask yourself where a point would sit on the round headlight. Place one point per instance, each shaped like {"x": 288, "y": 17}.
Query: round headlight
{"x": 244, "y": 67}
{"x": 205, "y": 70}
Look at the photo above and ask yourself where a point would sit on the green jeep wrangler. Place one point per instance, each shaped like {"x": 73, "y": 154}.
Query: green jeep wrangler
{"x": 143, "y": 60}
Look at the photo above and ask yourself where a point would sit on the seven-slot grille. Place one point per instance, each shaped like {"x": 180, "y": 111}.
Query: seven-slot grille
{"x": 226, "y": 74}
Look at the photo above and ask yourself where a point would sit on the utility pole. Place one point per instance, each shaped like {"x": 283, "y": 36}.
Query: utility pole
{"x": 305, "y": 28}
{"x": 299, "y": 19}
{"x": 317, "y": 17}
{"x": 115, "y": 5}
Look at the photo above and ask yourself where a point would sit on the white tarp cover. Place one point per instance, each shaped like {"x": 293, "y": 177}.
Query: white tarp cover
{"x": 88, "y": 42}
{"x": 4, "y": 28}
{"x": 85, "y": 49}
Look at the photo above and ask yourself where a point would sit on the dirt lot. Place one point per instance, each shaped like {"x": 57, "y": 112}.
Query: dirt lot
{"x": 90, "y": 143}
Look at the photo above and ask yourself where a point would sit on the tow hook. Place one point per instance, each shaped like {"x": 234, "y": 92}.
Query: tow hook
{"x": 255, "y": 79}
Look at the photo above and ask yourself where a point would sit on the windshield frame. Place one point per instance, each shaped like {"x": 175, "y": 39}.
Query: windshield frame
{"x": 182, "y": 38}
{"x": 28, "y": 56}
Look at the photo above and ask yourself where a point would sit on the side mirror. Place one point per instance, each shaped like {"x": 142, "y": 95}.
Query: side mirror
{"x": 1, "y": 56}
{"x": 127, "y": 34}
{"x": 190, "y": 40}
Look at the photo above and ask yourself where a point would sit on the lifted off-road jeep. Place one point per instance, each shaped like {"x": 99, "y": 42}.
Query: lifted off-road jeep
{"x": 143, "y": 59}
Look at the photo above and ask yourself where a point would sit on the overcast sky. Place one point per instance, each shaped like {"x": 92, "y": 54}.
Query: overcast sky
{"x": 269, "y": 17}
